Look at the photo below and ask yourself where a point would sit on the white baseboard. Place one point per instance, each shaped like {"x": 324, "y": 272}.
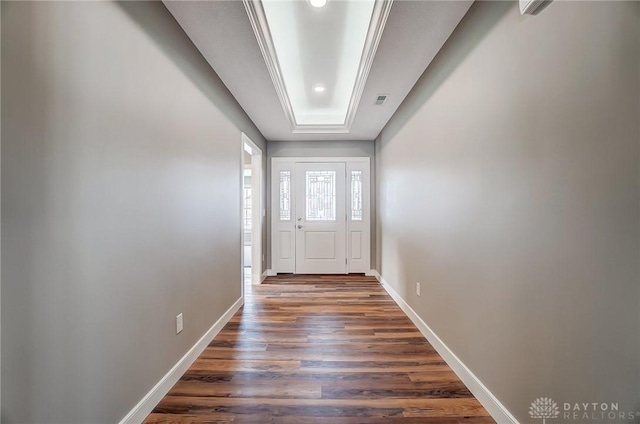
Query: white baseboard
{"x": 475, "y": 386}
{"x": 264, "y": 275}
{"x": 271, "y": 273}
{"x": 155, "y": 395}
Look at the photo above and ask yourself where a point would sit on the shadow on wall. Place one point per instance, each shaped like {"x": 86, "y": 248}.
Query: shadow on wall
{"x": 479, "y": 20}
{"x": 157, "y": 22}
{"x": 442, "y": 280}
{"x": 16, "y": 283}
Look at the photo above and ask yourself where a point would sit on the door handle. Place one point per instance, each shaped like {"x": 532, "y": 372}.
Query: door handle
{"x": 299, "y": 227}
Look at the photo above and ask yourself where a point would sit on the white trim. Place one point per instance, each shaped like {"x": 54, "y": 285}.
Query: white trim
{"x": 379, "y": 17}
{"x": 271, "y": 273}
{"x": 260, "y": 26}
{"x": 264, "y": 275}
{"x": 257, "y": 174}
{"x": 372, "y": 273}
{"x": 530, "y": 7}
{"x": 305, "y": 159}
{"x": 258, "y": 20}
{"x": 323, "y": 129}
{"x": 491, "y": 403}
{"x": 241, "y": 198}
{"x": 155, "y": 395}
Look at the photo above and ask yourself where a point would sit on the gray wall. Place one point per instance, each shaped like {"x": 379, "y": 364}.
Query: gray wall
{"x": 362, "y": 149}
{"x": 121, "y": 161}
{"x": 508, "y": 185}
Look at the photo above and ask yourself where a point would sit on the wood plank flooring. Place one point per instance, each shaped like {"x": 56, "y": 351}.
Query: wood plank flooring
{"x": 319, "y": 349}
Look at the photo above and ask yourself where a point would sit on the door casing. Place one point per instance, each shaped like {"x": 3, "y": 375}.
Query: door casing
{"x": 258, "y": 211}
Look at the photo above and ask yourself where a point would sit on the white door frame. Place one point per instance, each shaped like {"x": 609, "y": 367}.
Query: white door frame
{"x": 358, "y": 234}
{"x": 256, "y": 210}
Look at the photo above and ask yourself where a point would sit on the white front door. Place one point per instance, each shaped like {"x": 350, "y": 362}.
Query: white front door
{"x": 328, "y": 198}
{"x": 320, "y": 226}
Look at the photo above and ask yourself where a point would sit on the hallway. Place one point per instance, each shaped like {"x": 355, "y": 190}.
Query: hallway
{"x": 319, "y": 349}
{"x": 481, "y": 161}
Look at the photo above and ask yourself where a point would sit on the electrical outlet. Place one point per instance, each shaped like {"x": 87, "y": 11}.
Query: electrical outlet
{"x": 418, "y": 289}
{"x": 179, "y": 323}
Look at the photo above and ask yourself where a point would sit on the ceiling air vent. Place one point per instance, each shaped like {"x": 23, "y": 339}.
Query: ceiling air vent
{"x": 380, "y": 99}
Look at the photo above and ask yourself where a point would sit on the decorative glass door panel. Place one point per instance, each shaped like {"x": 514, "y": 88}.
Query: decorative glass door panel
{"x": 320, "y": 195}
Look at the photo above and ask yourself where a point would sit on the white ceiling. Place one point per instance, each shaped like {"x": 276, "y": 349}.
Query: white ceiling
{"x": 414, "y": 33}
{"x": 316, "y": 47}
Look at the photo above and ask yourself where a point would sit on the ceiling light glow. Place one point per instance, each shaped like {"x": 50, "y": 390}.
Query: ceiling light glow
{"x": 317, "y": 3}
{"x": 333, "y": 61}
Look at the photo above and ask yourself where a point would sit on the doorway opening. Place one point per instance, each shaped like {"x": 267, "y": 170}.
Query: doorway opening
{"x": 252, "y": 213}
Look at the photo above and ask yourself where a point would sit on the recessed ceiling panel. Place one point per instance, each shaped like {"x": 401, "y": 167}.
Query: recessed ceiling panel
{"x": 319, "y": 51}
{"x": 318, "y": 57}
{"x": 226, "y": 35}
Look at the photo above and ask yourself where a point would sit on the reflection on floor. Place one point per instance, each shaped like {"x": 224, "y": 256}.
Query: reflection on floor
{"x": 319, "y": 350}
{"x": 247, "y": 276}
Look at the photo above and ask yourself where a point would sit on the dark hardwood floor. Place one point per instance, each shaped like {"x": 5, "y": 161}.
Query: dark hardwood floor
{"x": 319, "y": 349}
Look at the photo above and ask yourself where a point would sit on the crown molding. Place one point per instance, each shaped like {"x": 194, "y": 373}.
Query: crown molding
{"x": 381, "y": 11}
{"x": 320, "y": 129}
{"x": 260, "y": 26}
{"x": 258, "y": 20}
